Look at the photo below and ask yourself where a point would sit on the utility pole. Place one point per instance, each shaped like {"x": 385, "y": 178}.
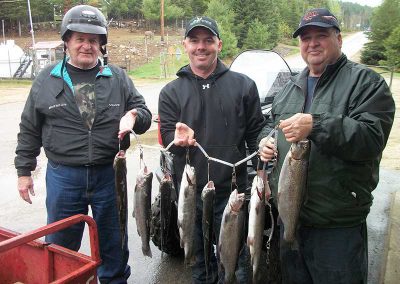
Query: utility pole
{"x": 30, "y": 20}
{"x": 162, "y": 20}
{"x": 4, "y": 37}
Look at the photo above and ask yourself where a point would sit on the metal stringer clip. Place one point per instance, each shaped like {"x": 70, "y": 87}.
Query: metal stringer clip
{"x": 233, "y": 183}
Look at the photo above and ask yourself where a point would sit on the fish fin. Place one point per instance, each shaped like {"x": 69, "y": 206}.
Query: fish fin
{"x": 250, "y": 241}
{"x": 147, "y": 252}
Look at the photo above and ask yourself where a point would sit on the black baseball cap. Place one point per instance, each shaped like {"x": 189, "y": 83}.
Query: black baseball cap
{"x": 319, "y": 17}
{"x": 204, "y": 22}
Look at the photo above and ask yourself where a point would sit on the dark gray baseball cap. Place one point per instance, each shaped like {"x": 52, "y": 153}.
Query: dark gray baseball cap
{"x": 204, "y": 22}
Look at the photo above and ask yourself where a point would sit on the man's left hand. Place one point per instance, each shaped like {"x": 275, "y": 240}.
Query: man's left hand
{"x": 297, "y": 127}
{"x": 126, "y": 123}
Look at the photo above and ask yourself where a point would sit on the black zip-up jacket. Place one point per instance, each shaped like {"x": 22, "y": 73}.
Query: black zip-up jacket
{"x": 51, "y": 119}
{"x": 224, "y": 112}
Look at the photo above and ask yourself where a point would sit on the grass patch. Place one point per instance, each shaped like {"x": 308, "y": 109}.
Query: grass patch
{"x": 160, "y": 67}
{"x": 15, "y": 82}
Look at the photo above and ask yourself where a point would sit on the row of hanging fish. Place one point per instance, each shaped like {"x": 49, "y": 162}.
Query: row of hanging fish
{"x": 291, "y": 190}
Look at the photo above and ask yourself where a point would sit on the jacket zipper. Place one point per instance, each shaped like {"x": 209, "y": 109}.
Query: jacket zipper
{"x": 90, "y": 150}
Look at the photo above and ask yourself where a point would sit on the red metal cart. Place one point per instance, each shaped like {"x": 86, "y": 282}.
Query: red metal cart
{"x": 24, "y": 259}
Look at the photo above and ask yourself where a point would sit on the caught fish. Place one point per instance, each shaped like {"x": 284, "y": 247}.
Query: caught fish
{"x": 231, "y": 235}
{"x": 122, "y": 193}
{"x": 256, "y": 223}
{"x": 208, "y": 198}
{"x": 187, "y": 213}
{"x": 291, "y": 187}
{"x": 142, "y": 208}
{"x": 166, "y": 188}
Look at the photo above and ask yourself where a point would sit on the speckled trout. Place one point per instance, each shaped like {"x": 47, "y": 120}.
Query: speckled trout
{"x": 256, "y": 223}
{"x": 291, "y": 187}
{"x": 230, "y": 236}
{"x": 142, "y": 208}
{"x": 121, "y": 192}
{"x": 208, "y": 198}
{"x": 187, "y": 213}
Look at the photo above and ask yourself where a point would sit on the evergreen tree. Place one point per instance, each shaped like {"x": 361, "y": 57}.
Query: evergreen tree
{"x": 220, "y": 11}
{"x": 392, "y": 49}
{"x": 258, "y": 36}
{"x": 385, "y": 18}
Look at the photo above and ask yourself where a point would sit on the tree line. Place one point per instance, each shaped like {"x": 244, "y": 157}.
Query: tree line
{"x": 384, "y": 35}
{"x": 244, "y": 24}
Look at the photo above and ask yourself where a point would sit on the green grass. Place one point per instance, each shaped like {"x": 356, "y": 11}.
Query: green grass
{"x": 15, "y": 82}
{"x": 155, "y": 70}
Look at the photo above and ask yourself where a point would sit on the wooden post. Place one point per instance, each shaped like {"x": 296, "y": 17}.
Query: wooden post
{"x": 162, "y": 20}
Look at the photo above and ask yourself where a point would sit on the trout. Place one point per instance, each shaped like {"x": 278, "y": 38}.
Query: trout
{"x": 166, "y": 188}
{"x": 187, "y": 213}
{"x": 208, "y": 198}
{"x": 230, "y": 235}
{"x": 256, "y": 223}
{"x": 291, "y": 187}
{"x": 122, "y": 193}
{"x": 142, "y": 208}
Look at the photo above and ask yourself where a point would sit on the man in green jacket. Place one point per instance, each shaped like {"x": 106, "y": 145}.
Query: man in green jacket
{"x": 346, "y": 111}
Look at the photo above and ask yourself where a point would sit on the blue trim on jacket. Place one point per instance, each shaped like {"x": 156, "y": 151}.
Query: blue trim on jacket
{"x": 56, "y": 72}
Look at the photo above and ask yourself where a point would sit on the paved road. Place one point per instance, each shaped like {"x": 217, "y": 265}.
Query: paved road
{"x": 22, "y": 217}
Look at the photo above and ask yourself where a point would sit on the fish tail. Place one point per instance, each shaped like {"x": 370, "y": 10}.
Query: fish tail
{"x": 147, "y": 251}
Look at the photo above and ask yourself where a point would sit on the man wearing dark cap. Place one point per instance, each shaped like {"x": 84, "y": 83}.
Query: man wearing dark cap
{"x": 346, "y": 111}
{"x": 219, "y": 109}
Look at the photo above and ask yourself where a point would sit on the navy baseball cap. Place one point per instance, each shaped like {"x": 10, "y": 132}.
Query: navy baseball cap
{"x": 319, "y": 17}
{"x": 204, "y": 22}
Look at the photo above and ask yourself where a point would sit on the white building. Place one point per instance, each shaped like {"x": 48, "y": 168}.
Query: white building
{"x": 11, "y": 58}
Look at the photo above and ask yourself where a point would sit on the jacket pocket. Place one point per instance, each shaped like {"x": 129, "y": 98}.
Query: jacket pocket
{"x": 52, "y": 164}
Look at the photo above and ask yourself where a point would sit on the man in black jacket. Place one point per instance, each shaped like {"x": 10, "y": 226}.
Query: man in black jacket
{"x": 346, "y": 111}
{"x": 79, "y": 110}
{"x": 219, "y": 109}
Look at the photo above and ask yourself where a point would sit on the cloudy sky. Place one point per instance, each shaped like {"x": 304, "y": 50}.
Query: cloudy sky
{"x": 372, "y": 3}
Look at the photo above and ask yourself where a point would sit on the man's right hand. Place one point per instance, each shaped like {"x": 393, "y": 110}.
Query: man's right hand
{"x": 25, "y": 187}
{"x": 184, "y": 135}
{"x": 267, "y": 149}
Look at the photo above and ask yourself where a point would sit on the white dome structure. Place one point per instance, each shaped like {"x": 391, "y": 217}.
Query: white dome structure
{"x": 11, "y": 57}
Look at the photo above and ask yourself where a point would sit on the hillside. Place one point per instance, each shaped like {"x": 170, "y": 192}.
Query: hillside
{"x": 125, "y": 48}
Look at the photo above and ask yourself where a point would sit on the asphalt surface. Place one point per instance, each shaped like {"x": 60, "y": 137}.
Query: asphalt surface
{"x": 20, "y": 216}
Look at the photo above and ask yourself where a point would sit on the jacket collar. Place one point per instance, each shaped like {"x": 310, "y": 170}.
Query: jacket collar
{"x": 218, "y": 72}
{"x": 105, "y": 71}
{"x": 301, "y": 79}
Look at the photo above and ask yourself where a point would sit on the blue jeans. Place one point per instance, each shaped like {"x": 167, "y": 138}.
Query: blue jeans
{"x": 199, "y": 269}
{"x": 331, "y": 256}
{"x": 70, "y": 191}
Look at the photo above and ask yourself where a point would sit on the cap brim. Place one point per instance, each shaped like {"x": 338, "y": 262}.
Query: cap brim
{"x": 87, "y": 29}
{"x": 322, "y": 25}
{"x": 203, "y": 26}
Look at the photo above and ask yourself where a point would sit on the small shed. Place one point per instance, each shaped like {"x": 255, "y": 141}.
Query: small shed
{"x": 47, "y": 52}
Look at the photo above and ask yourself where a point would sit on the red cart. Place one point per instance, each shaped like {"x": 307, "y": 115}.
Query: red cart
{"x": 24, "y": 259}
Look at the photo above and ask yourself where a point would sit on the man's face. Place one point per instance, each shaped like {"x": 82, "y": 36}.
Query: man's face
{"x": 203, "y": 47}
{"x": 83, "y": 49}
{"x": 320, "y": 47}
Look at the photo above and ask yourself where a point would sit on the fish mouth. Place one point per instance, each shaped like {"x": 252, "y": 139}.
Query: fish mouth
{"x": 121, "y": 154}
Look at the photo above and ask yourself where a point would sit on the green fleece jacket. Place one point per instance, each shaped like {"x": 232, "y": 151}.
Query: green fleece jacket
{"x": 353, "y": 112}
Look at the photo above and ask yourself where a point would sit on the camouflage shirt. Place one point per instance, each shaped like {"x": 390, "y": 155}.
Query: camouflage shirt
{"x": 85, "y": 97}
